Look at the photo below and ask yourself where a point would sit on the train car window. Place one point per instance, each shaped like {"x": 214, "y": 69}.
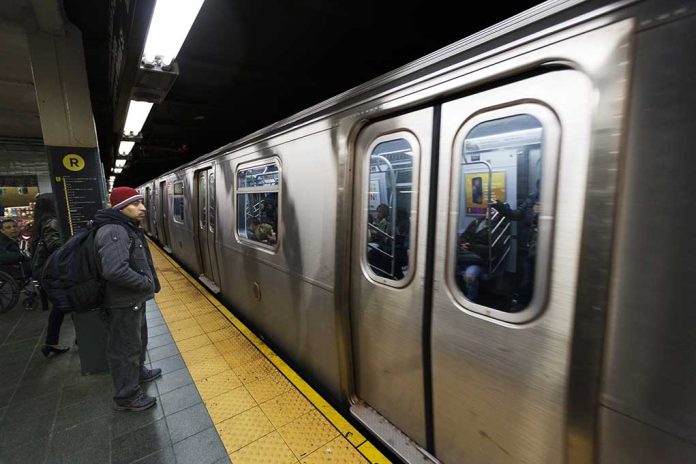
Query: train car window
{"x": 390, "y": 201}
{"x": 178, "y": 199}
{"x": 202, "y": 207}
{"x": 258, "y": 188}
{"x": 499, "y": 203}
{"x": 211, "y": 202}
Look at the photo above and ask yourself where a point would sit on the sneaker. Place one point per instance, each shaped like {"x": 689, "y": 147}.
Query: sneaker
{"x": 140, "y": 403}
{"x": 147, "y": 375}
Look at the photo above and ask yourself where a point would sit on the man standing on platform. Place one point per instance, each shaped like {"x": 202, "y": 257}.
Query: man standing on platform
{"x": 129, "y": 281}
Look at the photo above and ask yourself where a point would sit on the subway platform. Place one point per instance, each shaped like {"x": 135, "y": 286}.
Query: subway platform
{"x": 224, "y": 396}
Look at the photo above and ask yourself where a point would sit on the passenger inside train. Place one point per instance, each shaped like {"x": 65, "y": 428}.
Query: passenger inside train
{"x": 257, "y": 203}
{"x": 389, "y": 218}
{"x": 473, "y": 255}
{"x": 499, "y": 205}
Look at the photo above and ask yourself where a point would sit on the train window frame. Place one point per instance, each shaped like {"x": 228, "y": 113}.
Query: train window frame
{"x": 267, "y": 161}
{"x": 175, "y": 196}
{"x": 551, "y": 143}
{"x": 414, "y": 142}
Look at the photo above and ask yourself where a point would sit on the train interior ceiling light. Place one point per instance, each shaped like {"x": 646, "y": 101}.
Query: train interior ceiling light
{"x": 120, "y": 163}
{"x": 171, "y": 22}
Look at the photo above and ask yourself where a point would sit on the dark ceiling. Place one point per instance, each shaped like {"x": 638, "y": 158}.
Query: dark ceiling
{"x": 247, "y": 64}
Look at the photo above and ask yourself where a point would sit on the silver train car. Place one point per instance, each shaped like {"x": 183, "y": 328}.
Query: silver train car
{"x": 482, "y": 255}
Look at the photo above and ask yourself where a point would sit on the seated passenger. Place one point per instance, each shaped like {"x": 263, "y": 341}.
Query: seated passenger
{"x": 261, "y": 232}
{"x": 473, "y": 256}
{"x": 379, "y": 226}
{"x": 379, "y": 251}
{"x": 264, "y": 233}
{"x": 251, "y": 230}
{"x": 12, "y": 260}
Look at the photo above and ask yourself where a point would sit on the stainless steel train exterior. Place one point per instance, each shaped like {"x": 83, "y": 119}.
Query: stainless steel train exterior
{"x": 341, "y": 235}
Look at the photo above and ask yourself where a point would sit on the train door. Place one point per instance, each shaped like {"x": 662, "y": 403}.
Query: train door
{"x": 511, "y": 189}
{"x": 162, "y": 215}
{"x": 387, "y": 270}
{"x": 206, "y": 228}
{"x": 212, "y": 228}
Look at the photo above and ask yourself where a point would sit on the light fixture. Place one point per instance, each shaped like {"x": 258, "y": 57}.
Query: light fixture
{"x": 124, "y": 148}
{"x": 117, "y": 170}
{"x": 171, "y": 22}
{"x": 112, "y": 178}
{"x": 137, "y": 114}
{"x": 120, "y": 163}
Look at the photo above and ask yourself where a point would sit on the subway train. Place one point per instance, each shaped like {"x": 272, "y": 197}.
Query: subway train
{"x": 482, "y": 256}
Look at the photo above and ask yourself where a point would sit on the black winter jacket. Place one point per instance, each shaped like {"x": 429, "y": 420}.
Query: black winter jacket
{"x": 130, "y": 278}
{"x": 48, "y": 242}
{"x": 9, "y": 251}
{"x": 478, "y": 244}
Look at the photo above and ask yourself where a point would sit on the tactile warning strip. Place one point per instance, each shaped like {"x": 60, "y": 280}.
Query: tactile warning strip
{"x": 263, "y": 411}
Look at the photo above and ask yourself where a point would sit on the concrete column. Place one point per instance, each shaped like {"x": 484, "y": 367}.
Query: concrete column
{"x": 62, "y": 92}
{"x": 67, "y": 123}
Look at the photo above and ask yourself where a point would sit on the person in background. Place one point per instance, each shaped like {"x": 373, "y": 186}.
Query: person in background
{"x": 527, "y": 216}
{"x": 129, "y": 281}
{"x": 473, "y": 255}
{"x": 12, "y": 260}
{"x": 379, "y": 224}
{"x": 46, "y": 239}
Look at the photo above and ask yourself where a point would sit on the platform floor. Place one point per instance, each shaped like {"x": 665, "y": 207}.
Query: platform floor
{"x": 224, "y": 396}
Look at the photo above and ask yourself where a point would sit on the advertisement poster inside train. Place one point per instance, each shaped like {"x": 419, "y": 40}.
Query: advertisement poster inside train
{"x": 476, "y": 187}
{"x": 377, "y": 192}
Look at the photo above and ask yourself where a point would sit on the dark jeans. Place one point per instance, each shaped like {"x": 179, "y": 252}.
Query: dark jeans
{"x": 55, "y": 320}
{"x": 125, "y": 348}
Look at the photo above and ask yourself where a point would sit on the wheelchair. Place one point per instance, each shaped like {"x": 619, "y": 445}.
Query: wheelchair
{"x": 15, "y": 282}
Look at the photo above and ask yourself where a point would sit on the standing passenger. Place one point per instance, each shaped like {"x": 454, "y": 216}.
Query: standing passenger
{"x": 129, "y": 281}
{"x": 45, "y": 239}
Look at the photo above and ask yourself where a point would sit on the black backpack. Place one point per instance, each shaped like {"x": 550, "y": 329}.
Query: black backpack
{"x": 71, "y": 277}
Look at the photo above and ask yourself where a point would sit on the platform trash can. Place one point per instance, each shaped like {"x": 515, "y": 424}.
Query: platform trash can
{"x": 91, "y": 341}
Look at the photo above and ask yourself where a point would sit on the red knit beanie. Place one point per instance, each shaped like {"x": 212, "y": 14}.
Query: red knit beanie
{"x": 124, "y": 196}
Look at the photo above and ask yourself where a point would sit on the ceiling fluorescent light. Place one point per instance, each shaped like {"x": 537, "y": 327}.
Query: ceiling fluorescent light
{"x": 171, "y": 22}
{"x": 137, "y": 114}
{"x": 120, "y": 163}
{"x": 125, "y": 148}
{"x": 117, "y": 170}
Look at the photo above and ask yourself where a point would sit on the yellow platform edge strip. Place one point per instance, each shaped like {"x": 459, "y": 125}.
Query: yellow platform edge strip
{"x": 359, "y": 442}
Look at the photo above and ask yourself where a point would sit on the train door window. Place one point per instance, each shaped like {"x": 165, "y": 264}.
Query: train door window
{"x": 497, "y": 223}
{"x": 258, "y": 189}
{"x": 391, "y": 199}
{"x": 178, "y": 199}
{"x": 202, "y": 207}
{"x": 211, "y": 202}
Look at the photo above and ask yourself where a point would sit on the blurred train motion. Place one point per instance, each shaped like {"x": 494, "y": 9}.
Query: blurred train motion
{"x": 483, "y": 255}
